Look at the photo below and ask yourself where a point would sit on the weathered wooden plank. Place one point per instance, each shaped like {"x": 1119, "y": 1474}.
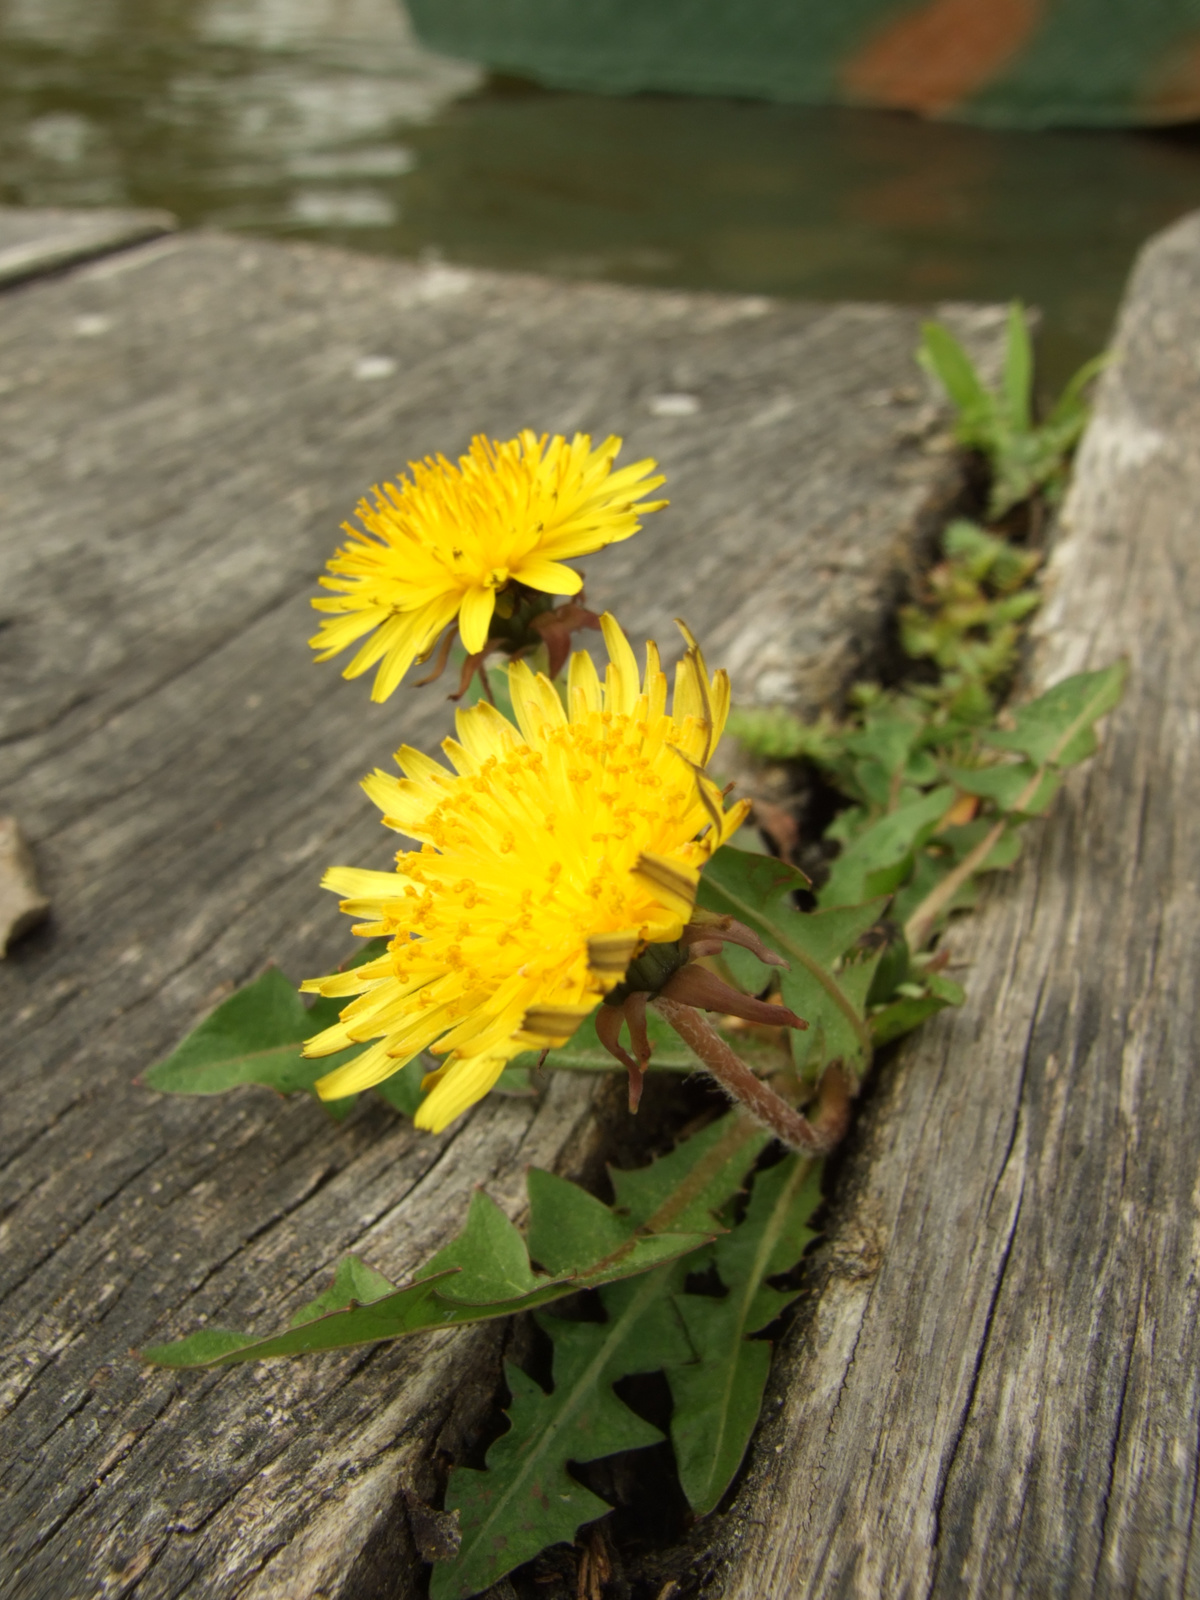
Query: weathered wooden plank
{"x": 171, "y": 484}
{"x": 37, "y": 240}
{"x": 997, "y": 1389}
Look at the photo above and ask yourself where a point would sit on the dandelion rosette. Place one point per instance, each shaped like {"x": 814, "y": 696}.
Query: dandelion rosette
{"x": 554, "y": 856}
{"x": 447, "y": 542}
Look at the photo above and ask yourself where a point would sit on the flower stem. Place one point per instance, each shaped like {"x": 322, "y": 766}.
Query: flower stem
{"x": 919, "y": 927}
{"x": 813, "y": 1138}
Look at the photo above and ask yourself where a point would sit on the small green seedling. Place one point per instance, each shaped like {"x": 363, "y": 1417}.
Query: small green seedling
{"x": 1025, "y": 456}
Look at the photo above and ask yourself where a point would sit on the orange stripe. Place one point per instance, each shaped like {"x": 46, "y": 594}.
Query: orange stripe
{"x": 933, "y": 58}
{"x": 1173, "y": 91}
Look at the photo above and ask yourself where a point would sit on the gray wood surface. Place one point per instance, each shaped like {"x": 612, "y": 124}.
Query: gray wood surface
{"x": 184, "y": 425}
{"x": 997, "y": 1388}
{"x": 34, "y": 241}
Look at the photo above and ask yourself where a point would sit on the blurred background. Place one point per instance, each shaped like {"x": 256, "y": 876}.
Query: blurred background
{"x": 330, "y": 120}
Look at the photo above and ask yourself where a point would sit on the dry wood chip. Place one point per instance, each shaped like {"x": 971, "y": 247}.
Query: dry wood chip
{"x": 22, "y": 903}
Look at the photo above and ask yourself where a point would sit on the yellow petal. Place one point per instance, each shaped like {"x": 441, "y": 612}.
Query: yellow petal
{"x": 688, "y": 699}
{"x": 475, "y": 618}
{"x": 719, "y": 700}
{"x": 655, "y": 684}
{"x": 583, "y": 686}
{"x": 485, "y": 732}
{"x": 555, "y": 1023}
{"x": 353, "y": 981}
{"x": 459, "y": 1086}
{"x": 535, "y": 701}
{"x": 460, "y": 758}
{"x": 491, "y": 1025}
{"x": 635, "y": 474}
{"x": 336, "y": 633}
{"x": 622, "y": 684}
{"x": 389, "y": 792}
{"x": 428, "y": 623}
{"x": 395, "y": 631}
{"x": 328, "y": 1042}
{"x": 361, "y": 881}
{"x": 364, "y": 1072}
{"x": 608, "y": 954}
{"x": 415, "y": 764}
{"x": 734, "y": 818}
{"x": 550, "y": 577}
{"x": 672, "y": 880}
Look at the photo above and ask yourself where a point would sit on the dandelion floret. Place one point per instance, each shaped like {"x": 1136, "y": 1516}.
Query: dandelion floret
{"x": 553, "y": 852}
{"x": 443, "y": 543}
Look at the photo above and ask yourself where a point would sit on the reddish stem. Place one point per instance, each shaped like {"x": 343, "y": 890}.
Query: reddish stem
{"x": 816, "y": 1137}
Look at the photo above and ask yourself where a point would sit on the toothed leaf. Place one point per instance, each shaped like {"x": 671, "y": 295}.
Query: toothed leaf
{"x": 758, "y": 891}
{"x": 881, "y": 857}
{"x": 685, "y": 1188}
{"x": 718, "y": 1396}
{"x": 526, "y": 1499}
{"x": 256, "y": 1036}
{"x": 1058, "y": 728}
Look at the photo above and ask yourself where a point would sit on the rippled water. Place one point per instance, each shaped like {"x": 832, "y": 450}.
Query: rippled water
{"x": 325, "y": 119}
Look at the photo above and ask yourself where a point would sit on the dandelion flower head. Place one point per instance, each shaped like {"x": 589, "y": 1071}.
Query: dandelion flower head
{"x": 444, "y": 543}
{"x": 549, "y": 858}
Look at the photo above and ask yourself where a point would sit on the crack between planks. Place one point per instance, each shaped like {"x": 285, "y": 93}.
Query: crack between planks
{"x": 1191, "y": 1524}
{"x": 81, "y": 697}
{"x": 1139, "y": 831}
{"x": 357, "y": 1359}
{"x": 151, "y": 772}
{"x": 86, "y": 1491}
{"x": 353, "y": 1362}
{"x": 827, "y": 1547}
{"x": 939, "y": 1498}
{"x": 325, "y": 1176}
{"x": 67, "y": 1416}
{"x": 947, "y": 1468}
{"x": 1114, "y": 1447}
{"x": 263, "y": 1464}
{"x": 95, "y": 1480}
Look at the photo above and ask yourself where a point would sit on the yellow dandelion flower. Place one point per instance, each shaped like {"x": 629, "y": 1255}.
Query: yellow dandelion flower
{"x": 549, "y": 858}
{"x": 444, "y": 543}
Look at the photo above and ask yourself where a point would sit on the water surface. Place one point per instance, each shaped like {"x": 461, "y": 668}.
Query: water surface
{"x": 325, "y": 119}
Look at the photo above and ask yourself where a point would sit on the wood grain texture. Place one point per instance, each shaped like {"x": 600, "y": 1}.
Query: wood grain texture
{"x": 996, "y": 1390}
{"x": 37, "y": 240}
{"x": 171, "y": 484}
